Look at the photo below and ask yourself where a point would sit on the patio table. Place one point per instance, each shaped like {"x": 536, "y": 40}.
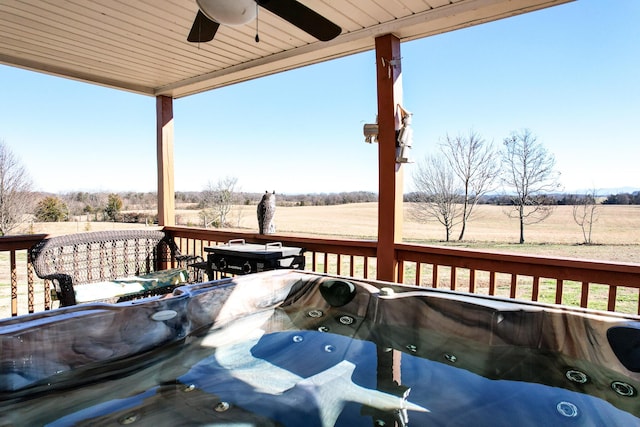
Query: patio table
{"x": 239, "y": 258}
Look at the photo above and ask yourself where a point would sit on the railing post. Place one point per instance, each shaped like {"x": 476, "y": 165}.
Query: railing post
{"x": 584, "y": 295}
{"x": 535, "y": 289}
{"x": 472, "y": 281}
{"x": 559, "y": 290}
{"x": 434, "y": 276}
{"x": 492, "y": 283}
{"x": 351, "y": 266}
{"x": 514, "y": 285}
{"x": 611, "y": 303}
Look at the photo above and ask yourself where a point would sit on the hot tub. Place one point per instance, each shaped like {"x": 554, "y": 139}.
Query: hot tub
{"x": 292, "y": 348}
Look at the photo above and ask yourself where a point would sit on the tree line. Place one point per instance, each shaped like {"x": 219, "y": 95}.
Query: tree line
{"x": 304, "y": 199}
{"x": 215, "y": 203}
{"x": 559, "y": 199}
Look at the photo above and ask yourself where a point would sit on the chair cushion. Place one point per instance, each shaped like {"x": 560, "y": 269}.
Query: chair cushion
{"x": 130, "y": 285}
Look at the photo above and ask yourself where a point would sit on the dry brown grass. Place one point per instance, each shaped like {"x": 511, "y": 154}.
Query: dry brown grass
{"x": 615, "y": 237}
{"x": 616, "y": 234}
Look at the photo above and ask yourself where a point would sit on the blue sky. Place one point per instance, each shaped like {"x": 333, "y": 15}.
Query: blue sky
{"x": 570, "y": 74}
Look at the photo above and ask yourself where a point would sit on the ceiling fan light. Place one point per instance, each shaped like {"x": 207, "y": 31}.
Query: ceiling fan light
{"x": 229, "y": 12}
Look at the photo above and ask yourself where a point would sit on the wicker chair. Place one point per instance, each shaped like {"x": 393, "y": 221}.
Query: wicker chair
{"x": 74, "y": 260}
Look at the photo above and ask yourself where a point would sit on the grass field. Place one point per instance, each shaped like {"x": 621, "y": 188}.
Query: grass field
{"x": 616, "y": 235}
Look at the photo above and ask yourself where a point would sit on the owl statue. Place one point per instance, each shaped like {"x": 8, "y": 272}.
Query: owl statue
{"x": 267, "y": 213}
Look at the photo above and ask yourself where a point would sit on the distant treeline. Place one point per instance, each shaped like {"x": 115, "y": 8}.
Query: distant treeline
{"x": 623, "y": 199}
{"x": 552, "y": 199}
{"x": 84, "y": 203}
{"x": 309, "y": 199}
{"x": 341, "y": 198}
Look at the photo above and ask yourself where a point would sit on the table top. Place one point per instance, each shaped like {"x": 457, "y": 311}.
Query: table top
{"x": 254, "y": 250}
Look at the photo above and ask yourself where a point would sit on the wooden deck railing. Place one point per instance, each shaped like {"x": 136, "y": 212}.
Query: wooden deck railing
{"x": 355, "y": 258}
{"x": 591, "y": 284}
{"x": 16, "y": 297}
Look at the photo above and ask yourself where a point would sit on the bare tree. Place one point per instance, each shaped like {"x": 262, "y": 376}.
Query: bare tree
{"x": 473, "y": 161}
{"x": 585, "y": 213}
{"x": 436, "y": 193}
{"x": 217, "y": 200}
{"x": 529, "y": 171}
{"x": 16, "y": 198}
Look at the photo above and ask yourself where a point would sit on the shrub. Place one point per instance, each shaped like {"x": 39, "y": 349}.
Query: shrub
{"x": 51, "y": 209}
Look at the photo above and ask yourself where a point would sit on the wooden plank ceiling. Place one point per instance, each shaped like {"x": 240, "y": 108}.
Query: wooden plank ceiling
{"x": 141, "y": 45}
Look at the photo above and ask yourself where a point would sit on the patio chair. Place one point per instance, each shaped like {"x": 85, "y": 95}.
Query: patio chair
{"x": 112, "y": 266}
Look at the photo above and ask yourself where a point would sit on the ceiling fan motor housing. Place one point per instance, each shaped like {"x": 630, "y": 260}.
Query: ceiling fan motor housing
{"x": 229, "y": 12}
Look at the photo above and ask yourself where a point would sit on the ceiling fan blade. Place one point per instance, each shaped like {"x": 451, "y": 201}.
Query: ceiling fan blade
{"x": 203, "y": 29}
{"x": 302, "y": 17}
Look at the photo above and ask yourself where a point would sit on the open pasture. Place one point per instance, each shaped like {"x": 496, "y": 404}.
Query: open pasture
{"x": 615, "y": 236}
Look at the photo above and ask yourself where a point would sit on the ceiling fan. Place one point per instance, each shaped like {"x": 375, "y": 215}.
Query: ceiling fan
{"x": 213, "y": 13}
